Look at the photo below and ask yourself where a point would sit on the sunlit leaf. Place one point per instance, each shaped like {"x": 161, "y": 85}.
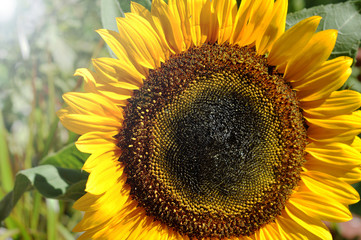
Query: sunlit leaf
{"x": 125, "y": 4}
{"x": 110, "y": 10}
{"x": 67, "y": 157}
{"x": 50, "y": 181}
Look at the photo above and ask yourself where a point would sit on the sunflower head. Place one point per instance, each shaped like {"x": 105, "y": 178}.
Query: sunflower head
{"x": 214, "y": 123}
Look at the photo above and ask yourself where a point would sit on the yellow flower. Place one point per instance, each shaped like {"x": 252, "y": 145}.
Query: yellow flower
{"x": 214, "y": 123}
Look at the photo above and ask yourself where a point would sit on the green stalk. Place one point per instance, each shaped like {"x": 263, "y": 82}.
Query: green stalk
{"x": 34, "y": 219}
{"x": 52, "y": 218}
{"x": 50, "y": 138}
{"x": 29, "y": 151}
{"x": 65, "y": 233}
{"x": 10, "y": 223}
{"x": 51, "y": 102}
{"x": 41, "y": 124}
{"x": 23, "y": 232}
{"x": 6, "y": 177}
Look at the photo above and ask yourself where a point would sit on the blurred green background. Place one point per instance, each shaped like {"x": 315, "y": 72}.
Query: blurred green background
{"x": 42, "y": 42}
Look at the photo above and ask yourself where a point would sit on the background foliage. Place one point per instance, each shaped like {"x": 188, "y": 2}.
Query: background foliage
{"x": 41, "y": 46}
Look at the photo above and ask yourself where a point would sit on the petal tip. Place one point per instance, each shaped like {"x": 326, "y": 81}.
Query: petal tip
{"x": 314, "y": 19}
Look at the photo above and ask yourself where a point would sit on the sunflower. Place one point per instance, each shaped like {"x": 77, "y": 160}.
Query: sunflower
{"x": 215, "y": 123}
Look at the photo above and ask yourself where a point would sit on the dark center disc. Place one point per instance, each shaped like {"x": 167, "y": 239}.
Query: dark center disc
{"x": 213, "y": 143}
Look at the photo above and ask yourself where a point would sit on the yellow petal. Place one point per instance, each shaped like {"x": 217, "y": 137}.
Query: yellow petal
{"x": 275, "y": 28}
{"x": 334, "y": 154}
{"x": 83, "y": 203}
{"x": 95, "y": 141}
{"x": 312, "y": 56}
{"x": 82, "y": 124}
{"x": 182, "y": 14}
{"x": 357, "y": 144}
{"x": 226, "y": 11}
{"x": 295, "y": 225}
{"x": 353, "y": 176}
{"x": 337, "y": 159}
{"x": 124, "y": 222}
{"x": 320, "y": 207}
{"x": 257, "y": 23}
{"x": 141, "y": 11}
{"x": 92, "y": 104}
{"x": 345, "y": 173}
{"x": 104, "y": 176}
{"x": 167, "y": 25}
{"x": 329, "y": 77}
{"x": 269, "y": 231}
{"x": 151, "y": 230}
{"x": 329, "y": 68}
{"x": 105, "y": 203}
{"x": 146, "y": 229}
{"x": 112, "y": 154}
{"x": 93, "y": 85}
{"x": 89, "y": 224}
{"x": 113, "y": 71}
{"x": 338, "y": 103}
{"x": 315, "y": 229}
{"x": 100, "y": 208}
{"x": 209, "y": 23}
{"x": 114, "y": 92}
{"x": 140, "y": 40}
{"x": 114, "y": 41}
{"x": 89, "y": 79}
{"x": 243, "y": 14}
{"x": 342, "y": 128}
{"x": 195, "y": 11}
{"x": 293, "y": 41}
{"x": 324, "y": 184}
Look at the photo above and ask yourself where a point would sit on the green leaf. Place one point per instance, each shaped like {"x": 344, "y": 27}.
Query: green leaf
{"x": 109, "y": 11}
{"x": 296, "y": 5}
{"x": 50, "y": 181}
{"x": 67, "y": 157}
{"x": 125, "y": 5}
{"x": 345, "y": 17}
{"x": 312, "y": 3}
